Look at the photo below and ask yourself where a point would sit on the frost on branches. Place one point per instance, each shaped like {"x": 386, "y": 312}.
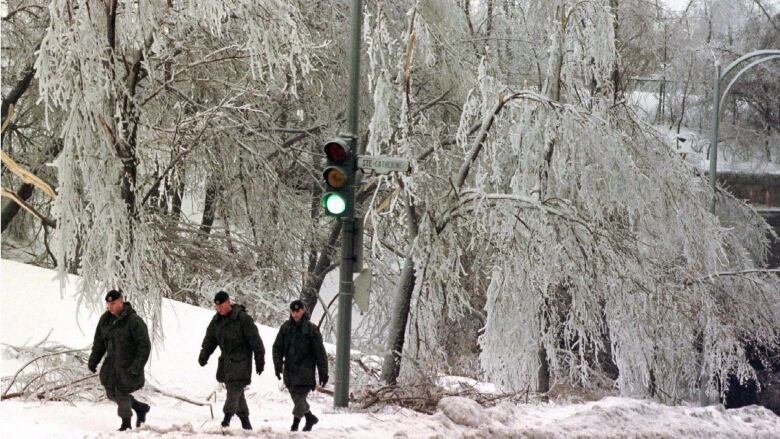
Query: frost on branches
{"x": 615, "y": 256}
{"x": 144, "y": 113}
{"x": 558, "y": 217}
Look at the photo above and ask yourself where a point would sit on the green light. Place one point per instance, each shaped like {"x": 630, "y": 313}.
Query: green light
{"x": 334, "y": 203}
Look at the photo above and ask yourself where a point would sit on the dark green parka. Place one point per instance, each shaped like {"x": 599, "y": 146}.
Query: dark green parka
{"x": 237, "y": 338}
{"x": 124, "y": 340}
{"x": 297, "y": 350}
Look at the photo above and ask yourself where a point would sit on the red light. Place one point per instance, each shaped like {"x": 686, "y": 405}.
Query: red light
{"x": 336, "y": 152}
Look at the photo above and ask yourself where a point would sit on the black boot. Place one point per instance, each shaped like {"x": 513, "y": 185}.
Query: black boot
{"x": 296, "y": 421}
{"x": 226, "y": 421}
{"x": 310, "y": 421}
{"x": 141, "y": 410}
{"x": 126, "y": 424}
{"x": 245, "y": 424}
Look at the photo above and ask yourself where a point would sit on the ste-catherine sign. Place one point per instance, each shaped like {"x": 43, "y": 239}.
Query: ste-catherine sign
{"x": 381, "y": 164}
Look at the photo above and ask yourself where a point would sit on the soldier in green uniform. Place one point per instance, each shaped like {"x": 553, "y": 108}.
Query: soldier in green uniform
{"x": 121, "y": 336}
{"x": 298, "y": 348}
{"x": 234, "y": 331}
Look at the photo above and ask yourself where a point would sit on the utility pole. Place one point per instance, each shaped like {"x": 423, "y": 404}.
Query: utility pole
{"x": 714, "y": 137}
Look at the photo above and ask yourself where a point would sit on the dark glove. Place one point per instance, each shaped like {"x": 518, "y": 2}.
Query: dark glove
{"x": 323, "y": 381}
{"x": 202, "y": 361}
{"x": 92, "y": 367}
{"x": 259, "y": 369}
{"x": 278, "y": 375}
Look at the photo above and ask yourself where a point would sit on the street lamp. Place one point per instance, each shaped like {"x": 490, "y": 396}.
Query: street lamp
{"x": 717, "y": 102}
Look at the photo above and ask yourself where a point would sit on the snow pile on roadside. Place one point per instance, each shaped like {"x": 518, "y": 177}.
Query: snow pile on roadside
{"x": 609, "y": 417}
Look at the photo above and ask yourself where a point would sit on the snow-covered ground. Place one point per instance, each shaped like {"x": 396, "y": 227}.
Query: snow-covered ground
{"x": 31, "y": 306}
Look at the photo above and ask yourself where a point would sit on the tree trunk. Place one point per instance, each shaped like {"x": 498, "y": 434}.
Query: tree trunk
{"x": 10, "y": 208}
{"x": 247, "y": 209}
{"x": 460, "y": 338}
{"x": 176, "y": 192}
{"x": 19, "y": 89}
{"x": 129, "y": 126}
{"x": 543, "y": 375}
{"x": 617, "y": 90}
{"x": 391, "y": 366}
{"x": 554, "y": 74}
{"x": 320, "y": 264}
{"x": 209, "y": 206}
{"x": 685, "y": 96}
{"x": 659, "y": 112}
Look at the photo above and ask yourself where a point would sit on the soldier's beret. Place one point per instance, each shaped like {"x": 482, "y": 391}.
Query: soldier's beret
{"x": 295, "y": 305}
{"x": 113, "y": 295}
{"x": 221, "y": 297}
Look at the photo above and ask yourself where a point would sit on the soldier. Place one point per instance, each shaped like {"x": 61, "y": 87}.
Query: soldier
{"x": 237, "y": 337}
{"x": 122, "y": 336}
{"x": 297, "y": 350}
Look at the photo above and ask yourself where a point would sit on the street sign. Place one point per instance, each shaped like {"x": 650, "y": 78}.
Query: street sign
{"x": 381, "y": 164}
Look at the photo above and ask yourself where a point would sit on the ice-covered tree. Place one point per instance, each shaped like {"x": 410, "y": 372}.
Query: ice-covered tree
{"x": 579, "y": 229}
{"x": 169, "y": 99}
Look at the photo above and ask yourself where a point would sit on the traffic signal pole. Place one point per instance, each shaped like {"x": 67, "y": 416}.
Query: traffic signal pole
{"x": 346, "y": 287}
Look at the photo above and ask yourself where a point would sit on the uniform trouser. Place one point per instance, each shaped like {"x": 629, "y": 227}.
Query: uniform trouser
{"x": 300, "y": 406}
{"x": 235, "y": 402}
{"x": 123, "y": 400}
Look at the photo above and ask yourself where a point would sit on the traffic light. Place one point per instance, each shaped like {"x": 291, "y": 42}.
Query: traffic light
{"x": 337, "y": 175}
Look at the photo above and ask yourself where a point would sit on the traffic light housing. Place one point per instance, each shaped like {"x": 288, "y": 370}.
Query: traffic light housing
{"x": 338, "y": 175}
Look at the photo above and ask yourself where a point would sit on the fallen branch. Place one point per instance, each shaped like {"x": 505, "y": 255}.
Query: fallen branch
{"x": 42, "y": 393}
{"x": 425, "y": 398}
{"x": 179, "y": 397}
{"x": 373, "y": 372}
{"x": 13, "y": 379}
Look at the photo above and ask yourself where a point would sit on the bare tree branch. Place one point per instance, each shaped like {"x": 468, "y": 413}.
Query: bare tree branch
{"x": 769, "y": 17}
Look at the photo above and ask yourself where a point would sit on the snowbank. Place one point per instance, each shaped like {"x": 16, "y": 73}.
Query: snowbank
{"x": 610, "y": 417}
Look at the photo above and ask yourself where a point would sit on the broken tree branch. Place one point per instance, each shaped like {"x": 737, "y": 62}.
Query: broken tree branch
{"x": 27, "y": 176}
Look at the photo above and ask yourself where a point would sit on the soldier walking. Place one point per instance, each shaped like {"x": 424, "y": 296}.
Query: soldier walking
{"x": 234, "y": 331}
{"x": 298, "y": 348}
{"x": 122, "y": 336}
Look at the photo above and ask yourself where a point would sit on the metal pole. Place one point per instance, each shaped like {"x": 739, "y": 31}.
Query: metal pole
{"x": 703, "y": 399}
{"x": 346, "y": 288}
{"x": 344, "y": 327}
{"x": 354, "y": 70}
{"x": 714, "y": 137}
